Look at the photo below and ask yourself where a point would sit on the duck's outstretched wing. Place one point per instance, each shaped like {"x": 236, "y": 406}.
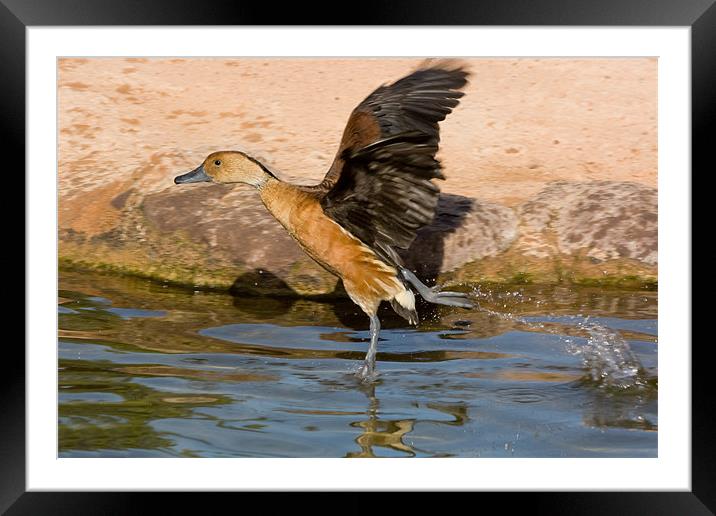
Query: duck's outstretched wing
{"x": 384, "y": 193}
{"x": 417, "y": 102}
{"x": 379, "y": 187}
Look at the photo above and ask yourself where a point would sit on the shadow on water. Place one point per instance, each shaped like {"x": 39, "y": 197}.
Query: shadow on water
{"x": 151, "y": 370}
{"x": 245, "y": 297}
{"x": 245, "y": 288}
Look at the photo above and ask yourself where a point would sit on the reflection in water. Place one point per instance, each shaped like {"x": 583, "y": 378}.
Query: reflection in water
{"x": 386, "y": 434}
{"x": 88, "y": 422}
{"x": 152, "y": 370}
{"x": 222, "y": 376}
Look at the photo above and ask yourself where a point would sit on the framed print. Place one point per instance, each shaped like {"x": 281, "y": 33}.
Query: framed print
{"x": 217, "y": 210}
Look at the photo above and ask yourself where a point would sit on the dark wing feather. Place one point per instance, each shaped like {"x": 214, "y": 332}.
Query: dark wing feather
{"x": 379, "y": 187}
{"x": 384, "y": 193}
{"x": 417, "y": 102}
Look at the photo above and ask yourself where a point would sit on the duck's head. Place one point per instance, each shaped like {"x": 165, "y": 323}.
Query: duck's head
{"x": 227, "y": 167}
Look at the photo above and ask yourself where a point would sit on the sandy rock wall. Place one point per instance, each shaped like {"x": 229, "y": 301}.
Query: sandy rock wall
{"x": 551, "y": 168}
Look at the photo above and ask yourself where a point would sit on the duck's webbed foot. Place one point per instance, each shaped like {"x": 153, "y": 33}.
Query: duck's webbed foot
{"x": 435, "y": 295}
{"x": 449, "y": 298}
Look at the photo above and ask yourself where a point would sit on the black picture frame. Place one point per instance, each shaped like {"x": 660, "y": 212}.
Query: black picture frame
{"x": 17, "y": 15}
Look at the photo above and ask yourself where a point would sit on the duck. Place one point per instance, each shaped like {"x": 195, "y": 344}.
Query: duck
{"x": 378, "y": 192}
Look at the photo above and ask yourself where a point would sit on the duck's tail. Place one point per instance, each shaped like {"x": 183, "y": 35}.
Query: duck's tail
{"x": 404, "y": 305}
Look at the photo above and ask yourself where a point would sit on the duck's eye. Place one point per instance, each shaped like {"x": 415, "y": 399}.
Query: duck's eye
{"x": 217, "y": 162}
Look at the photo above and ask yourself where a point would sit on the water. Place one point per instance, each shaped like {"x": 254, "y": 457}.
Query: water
{"x": 148, "y": 370}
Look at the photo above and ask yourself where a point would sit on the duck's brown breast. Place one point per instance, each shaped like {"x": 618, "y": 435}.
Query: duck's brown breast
{"x": 328, "y": 243}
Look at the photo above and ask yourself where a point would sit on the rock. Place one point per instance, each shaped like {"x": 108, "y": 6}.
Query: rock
{"x": 594, "y": 233}
{"x": 602, "y": 220}
{"x": 464, "y": 230}
{"x": 238, "y": 234}
{"x": 222, "y": 236}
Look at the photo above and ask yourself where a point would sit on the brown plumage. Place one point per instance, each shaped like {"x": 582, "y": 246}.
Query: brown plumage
{"x": 377, "y": 194}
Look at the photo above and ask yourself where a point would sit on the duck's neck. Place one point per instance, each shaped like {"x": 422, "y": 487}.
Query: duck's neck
{"x": 281, "y": 199}
{"x": 259, "y": 177}
{"x": 268, "y": 185}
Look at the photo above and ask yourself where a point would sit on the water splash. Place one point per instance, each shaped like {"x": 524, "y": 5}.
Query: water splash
{"x": 608, "y": 359}
{"x": 606, "y": 356}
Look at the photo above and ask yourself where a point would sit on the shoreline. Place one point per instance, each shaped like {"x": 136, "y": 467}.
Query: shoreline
{"x": 454, "y": 280}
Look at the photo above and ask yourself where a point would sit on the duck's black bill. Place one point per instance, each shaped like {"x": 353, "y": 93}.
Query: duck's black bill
{"x": 198, "y": 175}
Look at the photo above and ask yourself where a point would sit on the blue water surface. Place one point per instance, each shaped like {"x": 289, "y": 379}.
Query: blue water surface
{"x": 149, "y": 371}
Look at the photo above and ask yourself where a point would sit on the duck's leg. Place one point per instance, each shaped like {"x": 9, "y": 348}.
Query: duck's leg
{"x": 367, "y": 372}
{"x": 435, "y": 295}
